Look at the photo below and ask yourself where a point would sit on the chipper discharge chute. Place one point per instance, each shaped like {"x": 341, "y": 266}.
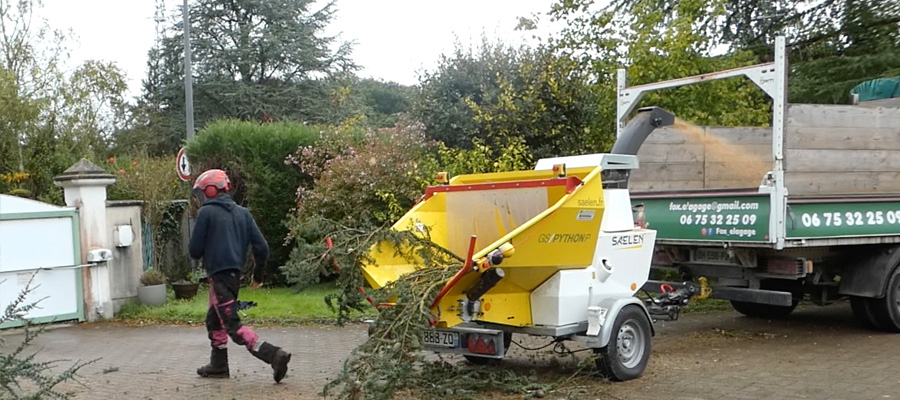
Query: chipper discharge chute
{"x": 553, "y": 251}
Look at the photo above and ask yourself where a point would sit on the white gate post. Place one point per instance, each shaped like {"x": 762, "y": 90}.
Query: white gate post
{"x": 85, "y": 185}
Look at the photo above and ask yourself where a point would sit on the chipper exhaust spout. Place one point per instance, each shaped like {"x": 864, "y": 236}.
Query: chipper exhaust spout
{"x": 637, "y": 130}
{"x": 631, "y": 139}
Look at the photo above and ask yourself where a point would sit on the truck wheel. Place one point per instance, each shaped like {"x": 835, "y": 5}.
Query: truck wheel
{"x": 862, "y": 310}
{"x": 626, "y": 355}
{"x": 887, "y": 309}
{"x": 477, "y": 360}
{"x": 758, "y": 310}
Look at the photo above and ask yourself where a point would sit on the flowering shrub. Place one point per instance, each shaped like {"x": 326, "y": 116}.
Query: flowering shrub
{"x": 155, "y": 182}
{"x": 364, "y": 181}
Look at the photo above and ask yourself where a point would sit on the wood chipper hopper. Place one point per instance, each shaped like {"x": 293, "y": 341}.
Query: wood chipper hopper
{"x": 553, "y": 251}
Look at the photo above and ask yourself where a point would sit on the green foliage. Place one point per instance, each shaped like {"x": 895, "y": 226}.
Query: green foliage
{"x": 833, "y": 44}
{"x": 384, "y": 101}
{"x": 848, "y": 43}
{"x": 21, "y": 376}
{"x": 51, "y": 114}
{"x": 657, "y": 44}
{"x": 155, "y": 182}
{"x": 481, "y": 158}
{"x": 364, "y": 181}
{"x": 254, "y": 156}
{"x": 499, "y": 93}
{"x": 276, "y": 306}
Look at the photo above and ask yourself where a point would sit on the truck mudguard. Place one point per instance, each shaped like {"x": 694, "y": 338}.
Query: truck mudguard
{"x": 866, "y": 271}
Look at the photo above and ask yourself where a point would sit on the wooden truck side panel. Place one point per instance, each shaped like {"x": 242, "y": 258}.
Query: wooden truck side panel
{"x": 829, "y": 150}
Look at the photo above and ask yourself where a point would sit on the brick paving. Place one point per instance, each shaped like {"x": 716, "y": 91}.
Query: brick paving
{"x": 819, "y": 353}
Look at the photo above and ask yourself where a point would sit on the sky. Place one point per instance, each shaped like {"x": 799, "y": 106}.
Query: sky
{"x": 394, "y": 39}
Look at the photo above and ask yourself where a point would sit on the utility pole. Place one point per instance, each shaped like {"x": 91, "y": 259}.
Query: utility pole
{"x": 188, "y": 105}
{"x": 188, "y": 79}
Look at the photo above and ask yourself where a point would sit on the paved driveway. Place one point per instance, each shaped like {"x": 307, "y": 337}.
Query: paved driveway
{"x": 159, "y": 362}
{"x": 820, "y": 353}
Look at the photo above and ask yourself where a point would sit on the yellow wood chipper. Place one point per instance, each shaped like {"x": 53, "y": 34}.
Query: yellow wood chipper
{"x": 553, "y": 251}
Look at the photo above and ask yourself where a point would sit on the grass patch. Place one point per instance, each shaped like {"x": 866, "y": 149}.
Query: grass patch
{"x": 276, "y": 306}
{"x": 707, "y": 305}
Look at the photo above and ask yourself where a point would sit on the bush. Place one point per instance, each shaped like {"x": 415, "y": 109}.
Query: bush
{"x": 155, "y": 182}
{"x": 366, "y": 181}
{"x": 152, "y": 277}
{"x": 253, "y": 154}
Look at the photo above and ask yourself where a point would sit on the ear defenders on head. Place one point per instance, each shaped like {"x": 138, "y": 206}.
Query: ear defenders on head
{"x": 211, "y": 191}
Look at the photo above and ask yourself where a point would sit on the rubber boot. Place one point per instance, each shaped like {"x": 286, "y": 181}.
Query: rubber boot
{"x": 274, "y": 356}
{"x": 218, "y": 365}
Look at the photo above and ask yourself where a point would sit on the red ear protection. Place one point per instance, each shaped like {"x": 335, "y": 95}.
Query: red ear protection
{"x": 211, "y": 191}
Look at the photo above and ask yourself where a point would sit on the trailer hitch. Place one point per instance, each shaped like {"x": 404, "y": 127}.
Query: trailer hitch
{"x": 670, "y": 300}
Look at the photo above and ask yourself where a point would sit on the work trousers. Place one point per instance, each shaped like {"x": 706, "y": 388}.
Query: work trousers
{"x": 222, "y": 320}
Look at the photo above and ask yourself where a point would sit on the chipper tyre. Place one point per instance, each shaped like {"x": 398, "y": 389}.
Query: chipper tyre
{"x": 626, "y": 355}
{"x": 507, "y": 341}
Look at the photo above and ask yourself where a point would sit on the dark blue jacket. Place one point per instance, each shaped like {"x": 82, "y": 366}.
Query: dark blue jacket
{"x": 222, "y": 233}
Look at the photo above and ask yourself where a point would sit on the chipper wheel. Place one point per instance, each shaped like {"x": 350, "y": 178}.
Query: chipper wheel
{"x": 626, "y": 355}
{"x": 507, "y": 341}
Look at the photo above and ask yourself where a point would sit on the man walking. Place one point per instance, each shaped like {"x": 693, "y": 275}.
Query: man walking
{"x": 222, "y": 233}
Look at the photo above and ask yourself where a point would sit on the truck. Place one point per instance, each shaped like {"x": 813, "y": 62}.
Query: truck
{"x": 808, "y": 208}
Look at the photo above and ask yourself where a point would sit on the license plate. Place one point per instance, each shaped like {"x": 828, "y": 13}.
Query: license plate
{"x": 714, "y": 256}
{"x": 440, "y": 339}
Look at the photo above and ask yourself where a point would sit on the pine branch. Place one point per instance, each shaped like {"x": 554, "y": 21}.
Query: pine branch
{"x": 17, "y": 368}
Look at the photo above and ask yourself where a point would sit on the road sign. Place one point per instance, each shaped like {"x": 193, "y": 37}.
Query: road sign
{"x": 182, "y": 165}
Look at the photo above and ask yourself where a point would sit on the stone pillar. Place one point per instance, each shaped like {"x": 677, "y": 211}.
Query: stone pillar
{"x": 85, "y": 189}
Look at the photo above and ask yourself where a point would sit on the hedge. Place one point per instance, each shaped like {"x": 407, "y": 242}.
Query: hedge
{"x": 253, "y": 154}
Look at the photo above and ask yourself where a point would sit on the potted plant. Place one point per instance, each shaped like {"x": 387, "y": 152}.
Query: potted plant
{"x": 186, "y": 288}
{"x": 152, "y": 291}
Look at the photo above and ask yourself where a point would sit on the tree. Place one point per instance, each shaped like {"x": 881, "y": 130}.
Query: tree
{"x": 254, "y": 60}
{"x": 654, "y": 44}
{"x": 849, "y": 42}
{"x": 50, "y": 118}
{"x": 384, "y": 102}
{"x": 835, "y": 44}
{"x": 501, "y": 93}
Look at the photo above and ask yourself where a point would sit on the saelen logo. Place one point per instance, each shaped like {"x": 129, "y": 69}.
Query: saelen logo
{"x": 633, "y": 241}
